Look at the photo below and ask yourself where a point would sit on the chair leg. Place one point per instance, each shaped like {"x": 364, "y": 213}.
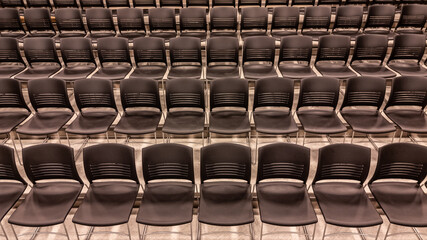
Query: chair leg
{"x": 199, "y": 230}
{"x": 401, "y": 134}
{"x": 144, "y": 232}
{"x": 314, "y": 231}
{"x": 191, "y": 230}
{"x": 303, "y": 140}
{"x": 20, "y": 141}
{"x": 14, "y": 232}
{"x": 16, "y": 150}
{"x": 324, "y": 231}
{"x": 127, "y": 224}
{"x": 352, "y": 137}
{"x": 296, "y": 138}
{"x": 106, "y": 135}
{"x": 388, "y": 230}
{"x": 261, "y": 230}
{"x": 378, "y": 232}
{"x": 115, "y": 136}
{"x": 155, "y": 137}
{"x": 251, "y": 231}
{"x": 77, "y": 232}
{"x": 66, "y": 231}
{"x": 4, "y": 232}
{"x": 59, "y": 138}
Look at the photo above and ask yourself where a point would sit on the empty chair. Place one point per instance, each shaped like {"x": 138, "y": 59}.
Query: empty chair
{"x": 185, "y": 58}
{"x": 69, "y": 23}
{"x": 10, "y": 59}
{"x": 39, "y": 4}
{"x": 368, "y": 56}
{"x": 171, "y": 3}
{"x": 344, "y": 203}
{"x": 110, "y": 169}
{"x": 113, "y": 54}
{"x": 254, "y": 22}
{"x": 242, "y": 3}
{"x": 258, "y": 57}
{"x": 293, "y": 51}
{"x": 222, "y": 56}
{"x": 117, "y": 3}
{"x": 225, "y": 202}
{"x": 380, "y": 20}
{"x": 192, "y": 22}
{"x": 412, "y": 19}
{"x": 332, "y": 57}
{"x": 91, "y": 3}
{"x": 223, "y": 3}
{"x": 144, "y": 3}
{"x": 78, "y": 59}
{"x": 283, "y": 202}
{"x": 37, "y": 21}
{"x": 302, "y": 2}
{"x": 285, "y": 22}
{"x": 131, "y": 23}
{"x": 162, "y": 23}
{"x": 223, "y": 21}
{"x": 321, "y": 93}
{"x": 10, "y": 23}
{"x": 269, "y": 3}
{"x": 150, "y": 58}
{"x": 348, "y": 21}
{"x": 100, "y": 23}
{"x": 168, "y": 201}
{"x": 198, "y": 3}
{"x": 316, "y": 22}
{"x": 12, "y": 4}
{"x": 42, "y": 59}
{"x": 65, "y": 4}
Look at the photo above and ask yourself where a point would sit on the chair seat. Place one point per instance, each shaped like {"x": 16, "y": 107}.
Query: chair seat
{"x": 225, "y": 203}
{"x": 335, "y": 70}
{"x": 9, "y": 194}
{"x": 245, "y": 35}
{"x": 201, "y": 35}
{"x": 92, "y": 123}
{"x": 107, "y": 204}
{"x": 41, "y": 34}
{"x": 408, "y": 69}
{"x": 257, "y": 71}
{"x": 156, "y": 72}
{"x": 346, "y": 204}
{"x": 39, "y": 71}
{"x": 352, "y": 33}
{"x": 389, "y": 34}
{"x": 367, "y": 121}
{"x": 285, "y": 204}
{"x": 112, "y": 72}
{"x": 315, "y": 34}
{"x": 403, "y": 203}
{"x": 17, "y": 35}
{"x": 96, "y": 35}
{"x": 229, "y": 122}
{"x": 70, "y": 34}
{"x": 409, "y": 31}
{"x": 223, "y": 34}
{"x": 187, "y": 71}
{"x": 131, "y": 35}
{"x": 138, "y": 122}
{"x": 165, "y": 35}
{"x": 320, "y": 121}
{"x": 72, "y": 73}
{"x": 279, "y": 34}
{"x": 184, "y": 122}
{"x": 7, "y": 71}
{"x": 44, "y": 123}
{"x": 296, "y": 71}
{"x": 274, "y": 122}
{"x": 167, "y": 204}
{"x": 9, "y": 120}
{"x": 413, "y": 121}
{"x": 372, "y": 70}
{"x": 47, "y": 204}
{"x": 222, "y": 71}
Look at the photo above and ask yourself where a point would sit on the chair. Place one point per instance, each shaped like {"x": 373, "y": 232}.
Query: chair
{"x": 192, "y": 22}
{"x": 10, "y": 24}
{"x": 412, "y": 19}
{"x": 85, "y": 4}
{"x": 332, "y": 57}
{"x": 229, "y": 107}
{"x": 12, "y": 4}
{"x": 65, "y": 4}
{"x": 131, "y": 23}
{"x": 380, "y": 20}
{"x": 117, "y": 3}
{"x": 168, "y": 201}
{"x": 283, "y": 202}
{"x": 319, "y": 92}
{"x": 49, "y": 202}
{"x": 150, "y": 58}
{"x": 171, "y": 3}
{"x": 369, "y": 48}
{"x": 39, "y": 4}
{"x": 403, "y": 202}
{"x": 407, "y": 52}
{"x": 100, "y": 23}
{"x": 223, "y": 21}
{"x": 144, "y": 3}
{"x": 348, "y": 21}
{"x": 162, "y": 23}
{"x": 269, "y": 3}
{"x": 12, "y": 62}
{"x": 139, "y": 93}
{"x": 224, "y": 202}
{"x": 42, "y": 59}
{"x": 243, "y": 3}
{"x": 258, "y": 57}
{"x": 344, "y": 203}
{"x": 37, "y": 21}
{"x": 316, "y": 22}
{"x": 223, "y": 3}
{"x": 114, "y": 50}
{"x": 285, "y": 22}
{"x": 296, "y": 48}
{"x": 185, "y": 58}
{"x": 254, "y": 22}
{"x": 69, "y": 23}
{"x": 110, "y": 169}
{"x": 198, "y": 3}
{"x": 302, "y": 2}
{"x": 222, "y": 57}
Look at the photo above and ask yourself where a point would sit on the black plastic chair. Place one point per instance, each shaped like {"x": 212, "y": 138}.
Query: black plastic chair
{"x": 114, "y": 57}
{"x": 258, "y": 57}
{"x": 192, "y": 22}
{"x": 332, "y": 57}
{"x": 412, "y": 19}
{"x": 223, "y": 3}
{"x": 345, "y": 203}
{"x": 316, "y": 21}
{"x": 150, "y": 58}
{"x": 319, "y": 92}
{"x": 162, "y": 23}
{"x": 117, "y": 3}
{"x": 285, "y": 22}
{"x": 110, "y": 169}
{"x": 254, "y": 22}
{"x": 185, "y": 58}
{"x": 380, "y": 20}
{"x": 42, "y": 59}
{"x": 169, "y": 200}
{"x": 39, "y": 4}
{"x": 65, "y": 4}
{"x": 12, "y": 4}
{"x": 10, "y": 24}
{"x": 100, "y": 23}
{"x": 171, "y": 3}
{"x": 223, "y": 21}
{"x": 144, "y": 3}
{"x": 293, "y": 51}
{"x": 49, "y": 202}
{"x": 282, "y": 202}
{"x": 269, "y": 3}
{"x": 243, "y": 3}
{"x": 222, "y": 57}
{"x": 198, "y": 3}
{"x": 131, "y": 23}
{"x": 91, "y": 4}
{"x": 348, "y": 21}
{"x": 38, "y": 23}
{"x": 370, "y": 48}
{"x": 69, "y": 23}
{"x": 223, "y": 202}
{"x": 12, "y": 62}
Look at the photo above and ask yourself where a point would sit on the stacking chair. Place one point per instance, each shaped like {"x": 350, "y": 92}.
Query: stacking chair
{"x": 131, "y": 23}
{"x": 316, "y": 21}
{"x": 114, "y": 57}
{"x": 254, "y": 22}
{"x": 69, "y": 23}
{"x": 348, "y": 21}
{"x": 12, "y": 4}
{"x": 86, "y": 4}
{"x": 42, "y": 59}
{"x": 403, "y": 202}
{"x": 285, "y": 22}
{"x": 65, "y": 4}
{"x": 100, "y": 23}
{"x": 380, "y": 20}
{"x": 10, "y": 24}
{"x": 283, "y": 202}
{"x": 293, "y": 51}
{"x": 223, "y": 21}
{"x": 168, "y": 201}
{"x": 344, "y": 203}
{"x": 150, "y": 58}
{"x": 171, "y": 3}
{"x": 198, "y": 3}
{"x": 110, "y": 169}
{"x": 223, "y": 3}
{"x": 49, "y": 202}
{"x": 302, "y": 2}
{"x": 162, "y": 23}
{"x": 370, "y": 48}
{"x": 258, "y": 57}
{"x": 316, "y": 92}
{"x": 332, "y": 57}
{"x": 412, "y": 19}
{"x": 185, "y": 58}
{"x": 117, "y": 3}
{"x": 38, "y": 23}
{"x": 192, "y": 22}
{"x": 12, "y": 62}
{"x": 244, "y": 3}
{"x": 224, "y": 202}
{"x": 144, "y": 3}
{"x": 222, "y": 56}
{"x": 39, "y": 4}
{"x": 269, "y": 3}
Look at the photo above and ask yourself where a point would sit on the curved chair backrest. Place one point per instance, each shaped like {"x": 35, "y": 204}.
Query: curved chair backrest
{"x": 99, "y": 19}
{"x": 413, "y": 15}
{"x": 92, "y": 93}
{"x": 130, "y": 19}
{"x": 229, "y": 92}
{"x": 296, "y": 48}
{"x": 91, "y": 3}
{"x": 38, "y": 19}
{"x": 192, "y": 19}
{"x": 333, "y": 48}
{"x": 285, "y": 18}
{"x": 185, "y": 49}
{"x": 69, "y": 19}
{"x": 161, "y": 19}
{"x": 8, "y": 169}
{"x": 228, "y": 3}
{"x": 144, "y": 3}
{"x": 149, "y": 49}
{"x": 254, "y": 18}
{"x": 364, "y": 91}
{"x": 184, "y": 92}
{"x": 40, "y": 49}
{"x": 77, "y": 49}
{"x": 222, "y": 49}
{"x": 317, "y": 17}
{"x": 13, "y": 4}
{"x": 223, "y": 18}
{"x": 225, "y": 161}
{"x": 39, "y": 4}
{"x": 198, "y": 3}
{"x": 10, "y": 20}
{"x": 118, "y": 3}
{"x": 274, "y": 92}
{"x": 283, "y": 160}
{"x": 343, "y": 161}
{"x": 408, "y": 46}
{"x": 47, "y": 93}
{"x": 408, "y": 91}
{"x": 380, "y": 16}
{"x": 319, "y": 91}
{"x": 167, "y": 161}
{"x": 113, "y": 49}
{"x": 109, "y": 161}
{"x": 349, "y": 17}
{"x": 276, "y": 2}
{"x": 259, "y": 48}
{"x": 139, "y": 92}
{"x": 49, "y": 161}
{"x": 248, "y": 3}
{"x": 10, "y": 50}
{"x": 370, "y": 47}
{"x": 11, "y": 94}
{"x": 65, "y": 4}
{"x": 171, "y": 3}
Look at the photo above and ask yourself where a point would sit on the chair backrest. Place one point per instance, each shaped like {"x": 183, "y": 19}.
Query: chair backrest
{"x": 113, "y": 49}
{"x": 65, "y": 4}
{"x": 229, "y": 92}
{"x": 333, "y": 48}
{"x": 259, "y": 48}
{"x": 91, "y": 3}
{"x": 38, "y": 19}
{"x": 329, "y": 2}
{"x": 92, "y": 93}
{"x": 139, "y": 92}
{"x": 223, "y": 18}
{"x": 364, "y": 91}
{"x": 408, "y": 46}
{"x": 77, "y": 49}
{"x": 149, "y": 49}
{"x": 274, "y": 92}
{"x": 296, "y": 48}
{"x": 276, "y": 2}
{"x": 413, "y": 15}
{"x": 11, "y": 94}
{"x": 40, "y": 49}
{"x": 161, "y": 19}
{"x": 317, "y": 17}
{"x": 118, "y": 3}
{"x": 228, "y": 3}
{"x": 109, "y": 161}
{"x": 9, "y": 50}
{"x": 171, "y": 3}
{"x": 303, "y": 2}
{"x": 8, "y": 169}
{"x": 343, "y": 161}
{"x": 185, "y": 49}
{"x": 380, "y": 16}
{"x": 39, "y": 4}
{"x": 12, "y": 4}
{"x": 408, "y": 91}
{"x": 144, "y": 3}
{"x": 184, "y": 92}
{"x": 198, "y": 3}
{"x": 283, "y": 160}
{"x": 285, "y": 18}
{"x": 10, "y": 20}
{"x": 100, "y": 19}
{"x": 69, "y": 19}
{"x": 167, "y": 161}
{"x": 248, "y": 3}
{"x": 225, "y": 161}
{"x": 319, "y": 91}
{"x": 47, "y": 93}
{"x": 130, "y": 19}
{"x": 192, "y": 19}
{"x": 370, "y": 47}
{"x": 222, "y": 49}
{"x": 254, "y": 18}
{"x": 349, "y": 17}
